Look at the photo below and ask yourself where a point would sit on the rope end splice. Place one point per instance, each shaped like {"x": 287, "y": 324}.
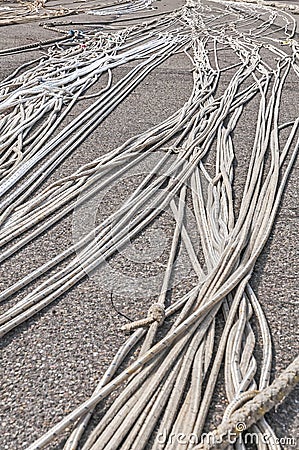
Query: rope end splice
{"x": 156, "y": 313}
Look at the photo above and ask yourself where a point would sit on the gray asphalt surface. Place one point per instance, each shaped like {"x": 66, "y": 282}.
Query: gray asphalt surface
{"x": 52, "y": 362}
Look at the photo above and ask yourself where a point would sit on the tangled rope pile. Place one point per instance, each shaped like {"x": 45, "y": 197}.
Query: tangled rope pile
{"x": 28, "y": 11}
{"x": 285, "y": 6}
{"x": 32, "y": 10}
{"x": 122, "y": 8}
{"x": 169, "y": 387}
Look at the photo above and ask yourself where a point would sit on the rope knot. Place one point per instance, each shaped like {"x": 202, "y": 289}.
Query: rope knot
{"x": 156, "y": 313}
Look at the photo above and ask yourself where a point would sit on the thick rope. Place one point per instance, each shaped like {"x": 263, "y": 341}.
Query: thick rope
{"x": 253, "y": 411}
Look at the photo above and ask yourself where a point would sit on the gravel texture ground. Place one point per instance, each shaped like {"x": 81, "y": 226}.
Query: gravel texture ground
{"x": 52, "y": 362}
